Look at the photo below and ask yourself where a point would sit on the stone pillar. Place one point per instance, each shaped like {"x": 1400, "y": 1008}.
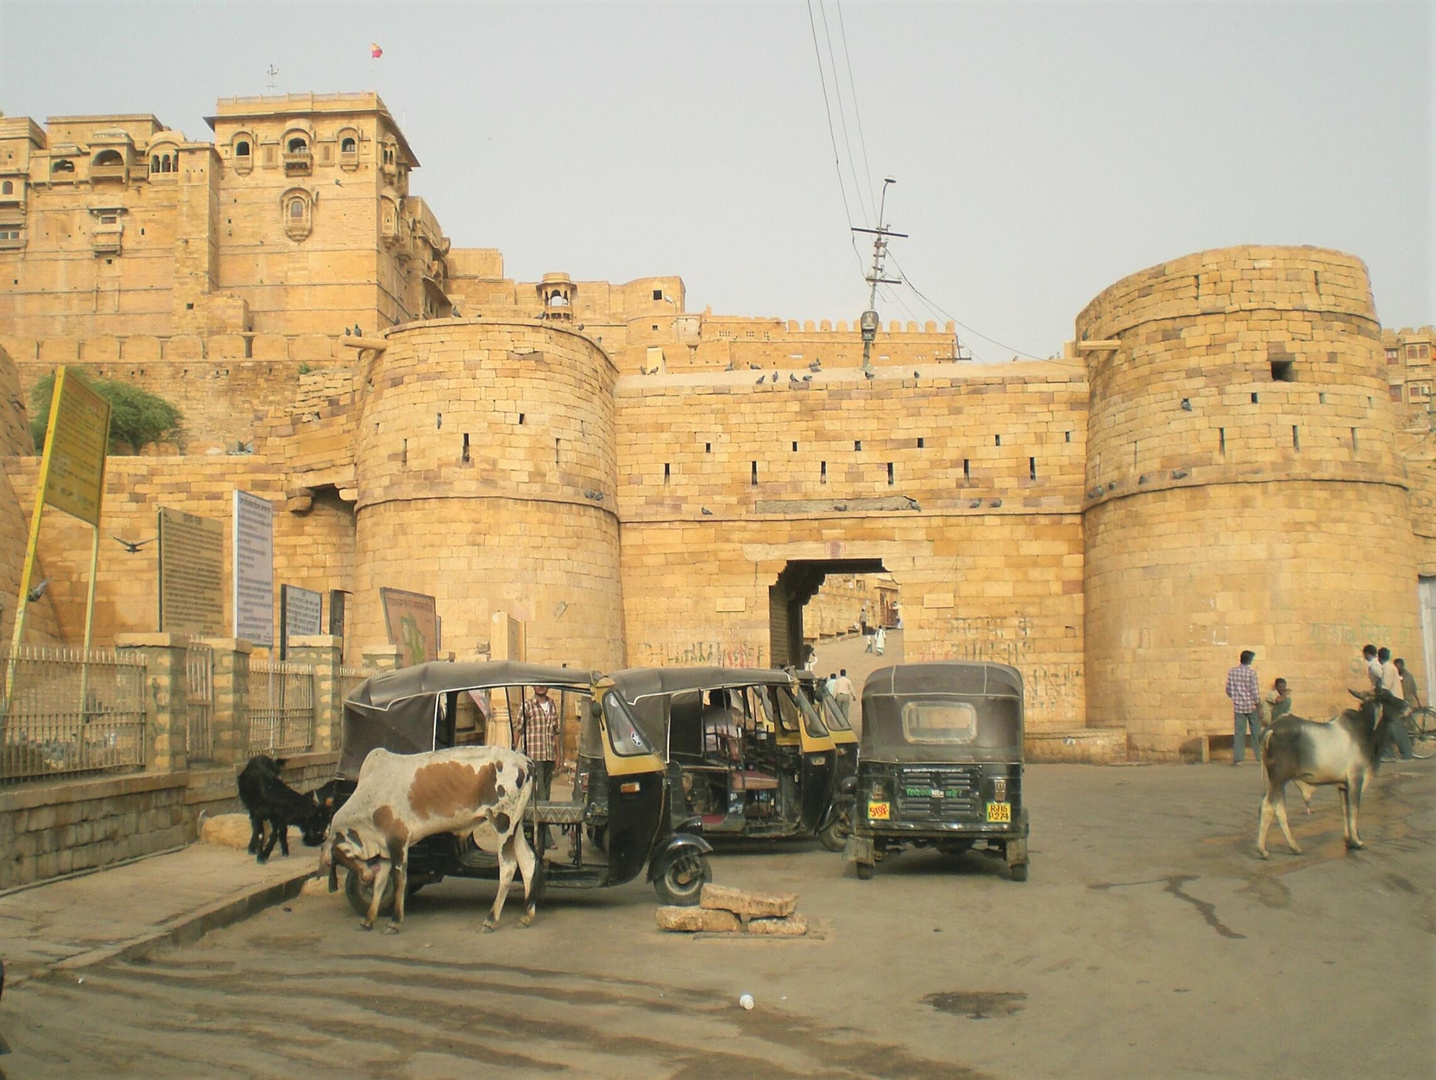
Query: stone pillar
{"x": 324, "y": 653}
{"x": 230, "y": 725}
{"x": 166, "y": 716}
{"x": 379, "y": 658}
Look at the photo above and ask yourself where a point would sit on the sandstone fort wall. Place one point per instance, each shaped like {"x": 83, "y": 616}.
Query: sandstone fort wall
{"x": 1244, "y": 488}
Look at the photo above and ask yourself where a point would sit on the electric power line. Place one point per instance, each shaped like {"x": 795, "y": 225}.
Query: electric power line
{"x": 832, "y": 136}
{"x": 853, "y": 93}
{"x": 958, "y": 322}
{"x": 842, "y": 113}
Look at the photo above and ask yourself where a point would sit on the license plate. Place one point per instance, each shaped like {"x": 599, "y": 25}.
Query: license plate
{"x": 879, "y": 811}
{"x": 999, "y": 811}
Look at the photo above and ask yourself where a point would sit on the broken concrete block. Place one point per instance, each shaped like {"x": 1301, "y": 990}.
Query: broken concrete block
{"x": 749, "y": 904}
{"x": 226, "y": 830}
{"x": 697, "y": 919}
{"x": 792, "y": 926}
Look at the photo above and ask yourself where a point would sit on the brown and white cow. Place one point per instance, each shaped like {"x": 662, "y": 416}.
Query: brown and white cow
{"x": 478, "y": 791}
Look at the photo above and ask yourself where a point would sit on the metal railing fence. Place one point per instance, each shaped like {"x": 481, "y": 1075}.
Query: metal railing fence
{"x": 281, "y": 707}
{"x": 199, "y": 700}
{"x": 66, "y": 712}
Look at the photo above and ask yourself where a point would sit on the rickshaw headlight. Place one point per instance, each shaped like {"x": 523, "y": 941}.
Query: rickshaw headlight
{"x": 821, "y": 759}
{"x": 629, "y": 788}
{"x": 999, "y": 789}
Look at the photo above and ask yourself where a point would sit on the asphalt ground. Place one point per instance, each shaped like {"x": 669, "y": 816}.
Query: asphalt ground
{"x": 1149, "y": 941}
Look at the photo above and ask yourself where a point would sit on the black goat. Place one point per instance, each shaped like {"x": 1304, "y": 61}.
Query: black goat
{"x": 270, "y": 799}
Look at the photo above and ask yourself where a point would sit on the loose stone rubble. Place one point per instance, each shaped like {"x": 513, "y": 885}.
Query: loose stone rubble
{"x": 734, "y": 911}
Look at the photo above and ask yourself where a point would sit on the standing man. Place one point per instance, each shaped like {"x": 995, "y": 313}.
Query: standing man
{"x": 843, "y": 693}
{"x": 1242, "y": 689}
{"x": 1409, "y": 690}
{"x": 1393, "y": 709}
{"x": 538, "y": 737}
{"x": 1373, "y": 666}
{"x": 880, "y": 641}
{"x": 1276, "y": 703}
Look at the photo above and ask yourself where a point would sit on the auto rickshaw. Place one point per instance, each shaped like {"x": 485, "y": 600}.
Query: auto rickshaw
{"x": 748, "y": 753}
{"x": 622, "y": 784}
{"x": 940, "y": 764}
{"x": 836, "y": 824}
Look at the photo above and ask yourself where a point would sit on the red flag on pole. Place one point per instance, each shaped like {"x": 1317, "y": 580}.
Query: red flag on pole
{"x": 375, "y": 51}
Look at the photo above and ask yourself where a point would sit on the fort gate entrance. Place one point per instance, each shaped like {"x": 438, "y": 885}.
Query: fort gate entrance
{"x": 798, "y": 583}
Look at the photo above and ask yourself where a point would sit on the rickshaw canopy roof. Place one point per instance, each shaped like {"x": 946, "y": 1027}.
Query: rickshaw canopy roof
{"x": 989, "y": 695}
{"x": 633, "y": 684}
{"x": 397, "y": 709}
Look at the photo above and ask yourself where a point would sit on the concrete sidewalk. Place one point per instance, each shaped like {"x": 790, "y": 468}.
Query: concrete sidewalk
{"x": 173, "y": 898}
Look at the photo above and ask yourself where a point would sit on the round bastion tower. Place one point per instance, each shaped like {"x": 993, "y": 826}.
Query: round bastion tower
{"x": 1243, "y": 490}
{"x": 486, "y": 476}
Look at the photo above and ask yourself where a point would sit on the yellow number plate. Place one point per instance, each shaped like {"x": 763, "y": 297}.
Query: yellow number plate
{"x": 999, "y": 811}
{"x": 878, "y": 811}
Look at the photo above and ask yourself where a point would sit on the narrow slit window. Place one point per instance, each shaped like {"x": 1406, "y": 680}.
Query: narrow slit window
{"x": 966, "y": 469}
{"x": 822, "y": 472}
{"x": 1295, "y": 437}
{"x": 1068, "y": 436}
{"x": 1032, "y": 468}
{"x": 890, "y": 474}
{"x": 919, "y": 442}
{"x": 795, "y": 448}
{"x": 1254, "y": 399}
{"x": 1222, "y": 440}
{"x": 708, "y": 448}
{"x": 666, "y": 472}
{"x": 465, "y": 457}
{"x": 404, "y": 453}
{"x": 521, "y": 418}
{"x": 438, "y": 420}
{"x": 1354, "y": 446}
{"x": 556, "y": 443}
{"x": 857, "y": 444}
{"x": 997, "y": 440}
{"x": 753, "y": 474}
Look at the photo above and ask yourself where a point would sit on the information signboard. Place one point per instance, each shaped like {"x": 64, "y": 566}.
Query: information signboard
{"x": 191, "y": 553}
{"x": 301, "y": 611}
{"x": 413, "y": 624}
{"x": 253, "y": 568}
{"x": 79, "y": 434}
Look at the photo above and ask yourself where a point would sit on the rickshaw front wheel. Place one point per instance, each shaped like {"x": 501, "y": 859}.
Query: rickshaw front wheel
{"x": 834, "y": 835}
{"x": 682, "y": 881}
{"x": 360, "y": 894}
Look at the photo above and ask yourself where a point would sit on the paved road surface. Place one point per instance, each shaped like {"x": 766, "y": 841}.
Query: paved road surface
{"x": 1150, "y": 941}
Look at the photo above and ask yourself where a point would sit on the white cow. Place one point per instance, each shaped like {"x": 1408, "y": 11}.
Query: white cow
{"x": 478, "y": 791}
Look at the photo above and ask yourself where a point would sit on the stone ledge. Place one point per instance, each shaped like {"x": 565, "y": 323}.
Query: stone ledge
{"x": 72, "y": 791}
{"x": 1084, "y": 746}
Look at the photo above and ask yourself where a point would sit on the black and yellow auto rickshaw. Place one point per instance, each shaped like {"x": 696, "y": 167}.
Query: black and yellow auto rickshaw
{"x": 940, "y": 764}
{"x": 748, "y": 752}
{"x": 836, "y": 823}
{"x": 622, "y": 787}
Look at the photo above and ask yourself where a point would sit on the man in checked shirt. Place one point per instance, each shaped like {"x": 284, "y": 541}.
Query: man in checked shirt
{"x": 1246, "y": 701}
{"x": 538, "y": 737}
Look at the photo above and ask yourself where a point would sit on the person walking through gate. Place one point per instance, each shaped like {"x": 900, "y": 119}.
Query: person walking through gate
{"x": 1242, "y": 689}
{"x": 843, "y": 694}
{"x": 1393, "y": 709}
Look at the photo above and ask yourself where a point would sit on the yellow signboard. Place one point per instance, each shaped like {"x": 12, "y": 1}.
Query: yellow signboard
{"x": 75, "y": 444}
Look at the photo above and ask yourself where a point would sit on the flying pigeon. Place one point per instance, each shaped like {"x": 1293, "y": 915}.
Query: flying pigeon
{"x": 133, "y": 546}
{"x": 37, "y": 591}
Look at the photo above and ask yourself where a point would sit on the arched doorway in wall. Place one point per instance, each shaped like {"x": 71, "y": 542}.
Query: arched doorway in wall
{"x": 849, "y": 595}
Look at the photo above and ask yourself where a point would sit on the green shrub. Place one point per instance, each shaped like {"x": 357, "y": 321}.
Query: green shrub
{"x": 137, "y": 417}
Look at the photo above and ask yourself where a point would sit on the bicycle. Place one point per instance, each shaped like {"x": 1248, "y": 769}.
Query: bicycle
{"x": 1421, "y": 730}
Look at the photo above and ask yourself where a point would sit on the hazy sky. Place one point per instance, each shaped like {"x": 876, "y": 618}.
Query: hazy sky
{"x": 1042, "y": 150}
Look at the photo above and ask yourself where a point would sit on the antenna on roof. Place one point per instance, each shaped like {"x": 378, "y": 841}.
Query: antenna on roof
{"x": 869, "y": 322}
{"x": 272, "y": 85}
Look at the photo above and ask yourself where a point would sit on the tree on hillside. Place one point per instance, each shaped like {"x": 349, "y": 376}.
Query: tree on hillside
{"x": 137, "y": 417}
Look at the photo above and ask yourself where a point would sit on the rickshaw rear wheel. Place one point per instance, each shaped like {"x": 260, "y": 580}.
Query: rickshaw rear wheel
{"x": 360, "y": 894}
{"x": 834, "y": 835}
{"x": 865, "y": 871}
{"x": 682, "y": 881}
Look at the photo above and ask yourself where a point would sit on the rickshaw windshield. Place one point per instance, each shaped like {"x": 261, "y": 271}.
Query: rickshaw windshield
{"x": 623, "y": 733}
{"x": 792, "y": 705}
{"x": 832, "y": 715}
{"x": 939, "y": 721}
